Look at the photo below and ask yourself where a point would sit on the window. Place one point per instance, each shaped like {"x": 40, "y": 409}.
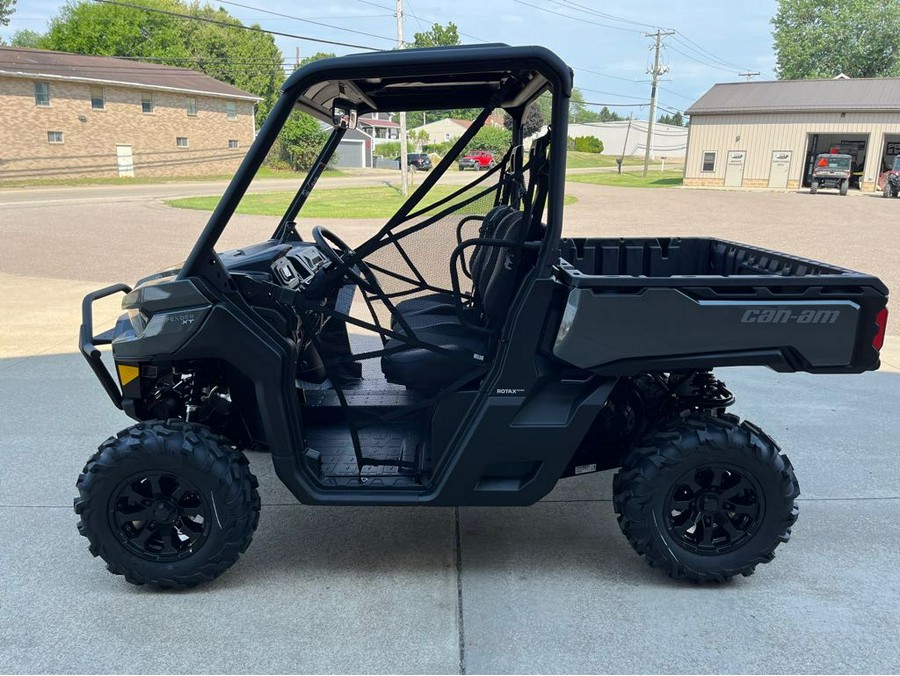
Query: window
{"x": 231, "y": 110}
{"x": 97, "y": 100}
{"x": 232, "y": 144}
{"x": 42, "y": 93}
{"x": 192, "y": 106}
{"x": 181, "y": 141}
{"x": 447, "y": 136}
{"x": 147, "y": 103}
{"x": 709, "y": 160}
{"x": 54, "y": 137}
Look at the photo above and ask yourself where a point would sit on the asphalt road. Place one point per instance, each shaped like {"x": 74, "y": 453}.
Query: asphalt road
{"x": 549, "y": 588}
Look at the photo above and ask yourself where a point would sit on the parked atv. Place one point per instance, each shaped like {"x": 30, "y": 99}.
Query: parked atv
{"x": 464, "y": 354}
{"x": 831, "y": 171}
{"x": 890, "y": 180}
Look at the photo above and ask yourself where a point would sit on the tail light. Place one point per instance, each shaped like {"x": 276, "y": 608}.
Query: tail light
{"x": 881, "y": 322}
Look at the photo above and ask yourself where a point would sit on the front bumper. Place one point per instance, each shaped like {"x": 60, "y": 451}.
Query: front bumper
{"x": 88, "y": 343}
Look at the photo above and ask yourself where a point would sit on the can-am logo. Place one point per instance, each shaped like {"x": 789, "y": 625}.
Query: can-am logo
{"x": 787, "y": 316}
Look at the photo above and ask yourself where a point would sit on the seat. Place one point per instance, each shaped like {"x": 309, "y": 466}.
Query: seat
{"x": 422, "y": 369}
{"x": 445, "y": 303}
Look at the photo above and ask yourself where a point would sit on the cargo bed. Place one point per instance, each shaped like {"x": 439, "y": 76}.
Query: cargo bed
{"x": 639, "y": 304}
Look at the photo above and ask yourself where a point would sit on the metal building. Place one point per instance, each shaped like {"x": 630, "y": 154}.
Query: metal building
{"x": 767, "y": 134}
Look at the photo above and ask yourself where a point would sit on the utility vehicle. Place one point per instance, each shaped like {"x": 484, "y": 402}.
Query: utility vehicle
{"x": 831, "y": 171}
{"x": 464, "y": 354}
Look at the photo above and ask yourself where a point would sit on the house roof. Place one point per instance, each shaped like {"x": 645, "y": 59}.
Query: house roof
{"x": 852, "y": 94}
{"x": 375, "y": 122}
{"x": 44, "y": 64}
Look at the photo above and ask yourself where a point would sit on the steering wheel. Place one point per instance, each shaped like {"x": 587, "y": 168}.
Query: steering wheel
{"x": 342, "y": 255}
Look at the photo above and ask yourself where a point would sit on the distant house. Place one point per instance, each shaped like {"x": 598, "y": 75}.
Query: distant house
{"x": 630, "y": 137}
{"x": 450, "y": 129}
{"x": 71, "y": 116}
{"x": 379, "y": 127}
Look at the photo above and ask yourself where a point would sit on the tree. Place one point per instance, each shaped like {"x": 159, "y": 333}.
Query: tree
{"x": 532, "y": 124}
{"x": 26, "y": 38}
{"x": 438, "y": 36}
{"x": 7, "y": 7}
{"x": 822, "y": 38}
{"x": 246, "y": 59}
{"x": 495, "y": 139}
{"x": 676, "y": 120}
{"x": 318, "y": 56}
{"x": 300, "y": 141}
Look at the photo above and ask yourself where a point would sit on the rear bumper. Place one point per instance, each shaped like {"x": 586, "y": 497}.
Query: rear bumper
{"x": 88, "y": 343}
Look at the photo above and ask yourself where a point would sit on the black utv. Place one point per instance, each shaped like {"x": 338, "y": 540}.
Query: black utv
{"x": 467, "y": 353}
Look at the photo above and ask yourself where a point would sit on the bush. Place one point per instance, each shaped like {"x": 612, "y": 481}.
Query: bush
{"x": 300, "y": 141}
{"x": 585, "y": 144}
{"x": 440, "y": 149}
{"x": 495, "y": 139}
{"x": 389, "y": 149}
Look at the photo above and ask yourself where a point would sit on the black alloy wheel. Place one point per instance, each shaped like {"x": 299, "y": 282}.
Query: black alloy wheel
{"x": 159, "y": 517}
{"x": 713, "y": 509}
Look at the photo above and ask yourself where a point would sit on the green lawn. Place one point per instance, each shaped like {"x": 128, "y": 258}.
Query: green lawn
{"x": 264, "y": 172}
{"x": 577, "y": 160}
{"x": 380, "y": 201}
{"x": 632, "y": 179}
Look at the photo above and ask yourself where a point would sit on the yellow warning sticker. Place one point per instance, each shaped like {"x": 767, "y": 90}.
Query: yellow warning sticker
{"x": 127, "y": 373}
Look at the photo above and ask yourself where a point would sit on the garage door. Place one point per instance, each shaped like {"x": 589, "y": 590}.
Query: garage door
{"x": 351, "y": 153}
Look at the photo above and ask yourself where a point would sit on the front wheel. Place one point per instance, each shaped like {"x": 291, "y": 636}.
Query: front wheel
{"x": 845, "y": 185}
{"x": 706, "y": 498}
{"x": 168, "y": 504}
{"x": 813, "y": 187}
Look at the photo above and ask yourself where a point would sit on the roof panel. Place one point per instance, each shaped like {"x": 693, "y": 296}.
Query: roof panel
{"x": 863, "y": 94}
{"x": 43, "y": 63}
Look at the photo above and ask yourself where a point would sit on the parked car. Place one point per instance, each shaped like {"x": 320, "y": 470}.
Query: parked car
{"x": 417, "y": 161}
{"x": 477, "y": 159}
{"x": 890, "y": 180}
{"x": 831, "y": 171}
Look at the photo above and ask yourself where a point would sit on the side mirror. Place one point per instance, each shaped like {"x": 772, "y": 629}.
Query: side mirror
{"x": 343, "y": 115}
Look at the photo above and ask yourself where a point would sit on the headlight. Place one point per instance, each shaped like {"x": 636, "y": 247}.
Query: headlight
{"x": 138, "y": 320}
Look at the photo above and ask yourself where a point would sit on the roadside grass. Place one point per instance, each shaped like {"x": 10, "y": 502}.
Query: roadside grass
{"x": 632, "y": 179}
{"x": 579, "y": 160}
{"x": 264, "y": 172}
{"x": 379, "y": 201}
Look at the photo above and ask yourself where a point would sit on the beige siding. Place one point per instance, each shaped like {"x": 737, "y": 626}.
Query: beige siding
{"x": 90, "y": 136}
{"x": 762, "y": 134}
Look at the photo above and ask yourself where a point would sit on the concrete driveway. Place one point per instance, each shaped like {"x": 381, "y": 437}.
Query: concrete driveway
{"x": 549, "y": 588}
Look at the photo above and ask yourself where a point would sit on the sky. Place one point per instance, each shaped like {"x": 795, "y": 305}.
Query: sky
{"x": 603, "y": 40}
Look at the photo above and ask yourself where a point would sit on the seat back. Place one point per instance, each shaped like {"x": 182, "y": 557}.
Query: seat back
{"x": 502, "y": 278}
{"x": 483, "y": 257}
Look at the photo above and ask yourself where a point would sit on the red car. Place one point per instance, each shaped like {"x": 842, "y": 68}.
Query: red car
{"x": 477, "y": 159}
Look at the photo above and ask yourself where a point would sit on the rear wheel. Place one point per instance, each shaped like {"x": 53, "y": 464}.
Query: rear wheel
{"x": 845, "y": 185}
{"x": 813, "y": 187}
{"x": 707, "y": 498}
{"x": 168, "y": 504}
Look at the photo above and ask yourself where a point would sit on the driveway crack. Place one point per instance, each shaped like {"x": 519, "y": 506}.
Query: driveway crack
{"x": 460, "y": 621}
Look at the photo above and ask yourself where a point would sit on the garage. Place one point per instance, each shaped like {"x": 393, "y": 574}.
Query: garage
{"x": 767, "y": 134}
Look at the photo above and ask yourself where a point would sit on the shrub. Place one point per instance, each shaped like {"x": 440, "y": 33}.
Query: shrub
{"x": 300, "y": 141}
{"x": 389, "y": 149}
{"x": 495, "y": 139}
{"x": 585, "y": 144}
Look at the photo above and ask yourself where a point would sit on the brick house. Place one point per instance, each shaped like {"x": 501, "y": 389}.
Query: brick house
{"x": 72, "y": 116}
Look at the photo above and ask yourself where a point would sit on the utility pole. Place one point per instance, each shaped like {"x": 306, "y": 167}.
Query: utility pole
{"x": 404, "y": 177}
{"x": 654, "y": 74}
{"x": 749, "y": 74}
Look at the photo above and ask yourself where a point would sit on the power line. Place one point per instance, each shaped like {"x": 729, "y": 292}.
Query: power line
{"x": 577, "y": 18}
{"x": 587, "y": 10}
{"x": 255, "y": 29}
{"x": 297, "y": 18}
